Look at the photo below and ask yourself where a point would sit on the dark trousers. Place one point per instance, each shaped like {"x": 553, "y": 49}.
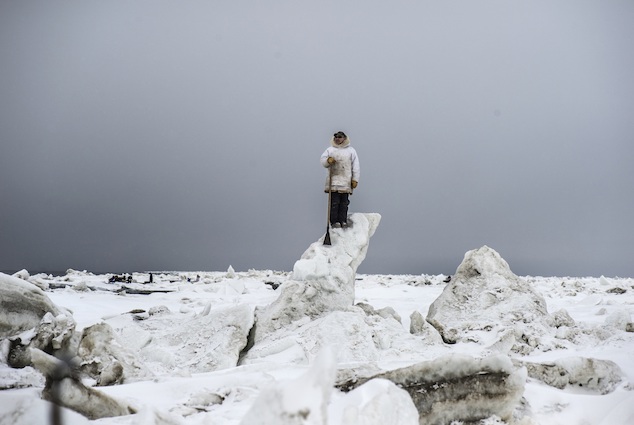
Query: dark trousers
{"x": 339, "y": 207}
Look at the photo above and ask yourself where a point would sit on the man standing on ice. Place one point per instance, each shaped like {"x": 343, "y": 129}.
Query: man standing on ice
{"x": 343, "y": 176}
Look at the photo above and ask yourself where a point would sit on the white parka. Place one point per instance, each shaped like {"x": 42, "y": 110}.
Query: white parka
{"x": 345, "y": 169}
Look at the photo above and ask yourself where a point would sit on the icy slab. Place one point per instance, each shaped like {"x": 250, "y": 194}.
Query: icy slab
{"x": 105, "y": 359}
{"x": 458, "y": 387}
{"x": 322, "y": 280}
{"x": 54, "y": 334}
{"x": 29, "y": 319}
{"x": 68, "y": 391}
{"x": 419, "y": 326}
{"x": 300, "y": 401}
{"x": 377, "y": 402}
{"x": 592, "y": 375}
{"x": 315, "y": 309}
{"x": 212, "y": 340}
{"x": 312, "y": 400}
{"x": 354, "y": 336}
{"x": 347, "y": 252}
{"x": 22, "y": 306}
{"x": 485, "y": 296}
{"x": 204, "y": 342}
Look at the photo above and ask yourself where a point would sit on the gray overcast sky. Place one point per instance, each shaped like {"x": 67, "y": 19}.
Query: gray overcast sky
{"x": 165, "y": 135}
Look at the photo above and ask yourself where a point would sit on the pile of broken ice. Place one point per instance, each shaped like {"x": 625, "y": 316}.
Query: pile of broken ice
{"x": 315, "y": 321}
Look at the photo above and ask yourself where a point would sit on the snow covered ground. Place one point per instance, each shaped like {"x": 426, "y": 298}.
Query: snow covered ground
{"x": 193, "y": 398}
{"x": 177, "y": 337}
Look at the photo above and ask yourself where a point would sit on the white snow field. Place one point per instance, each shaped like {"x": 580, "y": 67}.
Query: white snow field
{"x": 319, "y": 345}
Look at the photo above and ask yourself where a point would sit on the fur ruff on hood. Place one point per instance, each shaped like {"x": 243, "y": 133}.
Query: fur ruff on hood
{"x": 343, "y": 145}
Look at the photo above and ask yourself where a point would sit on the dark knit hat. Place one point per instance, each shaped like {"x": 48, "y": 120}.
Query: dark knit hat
{"x": 340, "y": 134}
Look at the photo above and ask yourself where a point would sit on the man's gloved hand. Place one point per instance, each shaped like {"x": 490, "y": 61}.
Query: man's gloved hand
{"x": 354, "y": 184}
{"x": 331, "y": 160}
